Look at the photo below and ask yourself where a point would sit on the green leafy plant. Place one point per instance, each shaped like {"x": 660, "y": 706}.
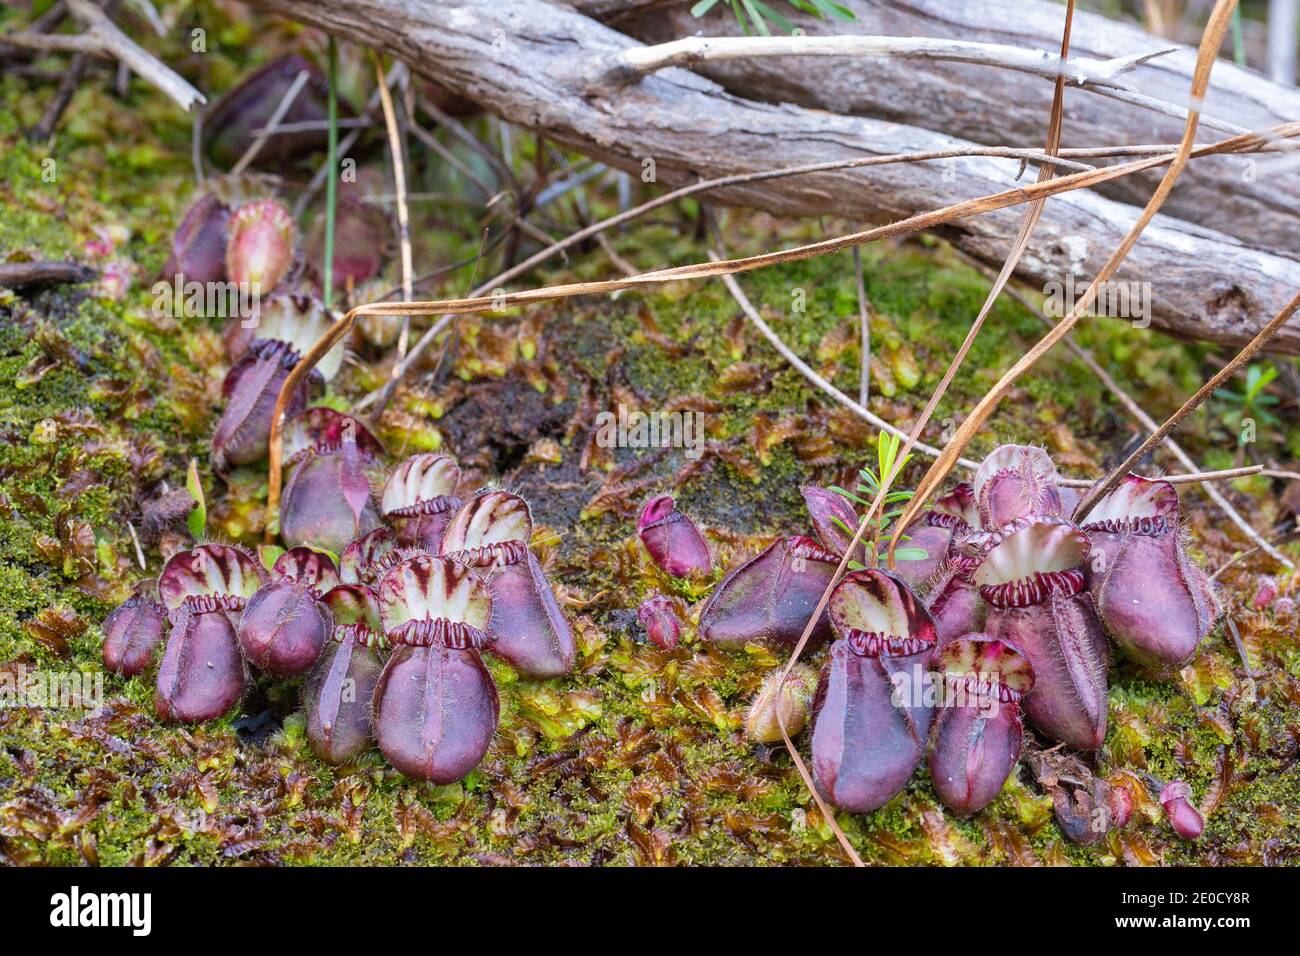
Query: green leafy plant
{"x": 753, "y": 15}
{"x": 331, "y": 184}
{"x": 1252, "y": 401}
{"x": 268, "y": 554}
{"x": 887, "y": 447}
{"x": 197, "y": 522}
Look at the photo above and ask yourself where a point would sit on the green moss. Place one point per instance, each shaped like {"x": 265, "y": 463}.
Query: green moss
{"x": 637, "y": 758}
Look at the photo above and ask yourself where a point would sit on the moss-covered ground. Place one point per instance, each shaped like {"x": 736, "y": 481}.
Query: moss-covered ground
{"x": 639, "y": 757}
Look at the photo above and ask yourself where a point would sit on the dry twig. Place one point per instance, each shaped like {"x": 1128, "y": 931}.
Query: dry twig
{"x": 403, "y": 215}
{"x": 1146, "y": 421}
{"x": 273, "y": 124}
{"x": 103, "y": 38}
{"x": 1098, "y": 76}
{"x": 1103, "y": 487}
{"x": 1206, "y": 55}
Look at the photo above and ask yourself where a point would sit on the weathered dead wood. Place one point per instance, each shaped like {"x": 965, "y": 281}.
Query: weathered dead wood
{"x": 23, "y": 275}
{"x": 102, "y": 37}
{"x": 1256, "y": 199}
{"x": 1103, "y": 76}
{"x": 527, "y": 61}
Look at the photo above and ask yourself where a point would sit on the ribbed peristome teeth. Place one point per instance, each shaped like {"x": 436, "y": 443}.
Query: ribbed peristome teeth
{"x": 981, "y": 663}
{"x": 424, "y": 588}
{"x": 956, "y": 509}
{"x": 215, "y": 574}
{"x": 875, "y": 612}
{"x": 1143, "y": 505}
{"x": 425, "y": 479}
{"x": 1030, "y": 560}
{"x": 492, "y": 518}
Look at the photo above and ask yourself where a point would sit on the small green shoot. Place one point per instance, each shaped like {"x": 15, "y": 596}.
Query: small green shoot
{"x": 1252, "y": 401}
{"x": 269, "y": 554}
{"x": 753, "y": 15}
{"x": 887, "y": 448}
{"x": 197, "y": 522}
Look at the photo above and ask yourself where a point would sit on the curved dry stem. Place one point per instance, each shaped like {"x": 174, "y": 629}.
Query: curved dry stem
{"x": 399, "y": 185}
{"x": 1210, "y": 42}
{"x": 1261, "y": 338}
{"x": 927, "y": 220}
{"x": 448, "y": 307}
{"x": 275, "y": 442}
{"x": 1030, "y": 220}
{"x": 1195, "y": 475}
{"x": 1032, "y": 214}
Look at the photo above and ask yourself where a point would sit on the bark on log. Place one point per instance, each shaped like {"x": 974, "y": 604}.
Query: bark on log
{"x": 1256, "y": 199}
{"x": 527, "y": 61}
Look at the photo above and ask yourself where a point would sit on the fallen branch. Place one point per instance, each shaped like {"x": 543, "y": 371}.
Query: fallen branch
{"x": 21, "y": 275}
{"x": 1147, "y": 422}
{"x": 1081, "y": 71}
{"x": 933, "y": 219}
{"x": 1099, "y": 76}
{"x": 1104, "y": 486}
{"x": 68, "y": 86}
{"x": 1206, "y": 285}
{"x": 1259, "y": 203}
{"x": 103, "y": 38}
